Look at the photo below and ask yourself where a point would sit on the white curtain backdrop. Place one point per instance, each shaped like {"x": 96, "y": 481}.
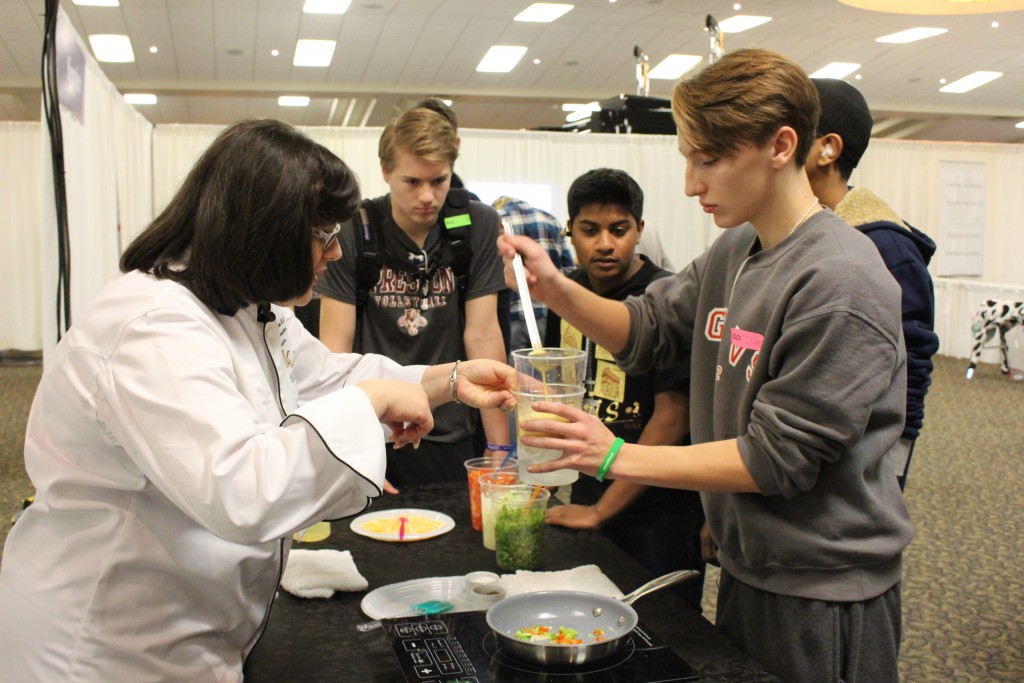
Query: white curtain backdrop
{"x": 503, "y": 157}
{"x": 107, "y": 167}
{"x": 19, "y": 236}
{"x": 904, "y": 173}
{"x": 133, "y": 142}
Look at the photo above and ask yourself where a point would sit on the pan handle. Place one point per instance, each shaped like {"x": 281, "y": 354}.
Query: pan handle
{"x": 659, "y": 583}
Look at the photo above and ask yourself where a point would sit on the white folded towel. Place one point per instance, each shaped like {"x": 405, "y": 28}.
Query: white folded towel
{"x": 318, "y": 573}
{"x": 587, "y": 578}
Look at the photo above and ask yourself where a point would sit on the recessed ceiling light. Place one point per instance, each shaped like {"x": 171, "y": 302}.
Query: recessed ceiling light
{"x": 971, "y": 81}
{"x": 858, "y": 77}
{"x": 836, "y": 70}
{"x": 110, "y": 47}
{"x": 274, "y": 53}
{"x": 140, "y": 98}
{"x": 911, "y": 34}
{"x": 326, "y": 6}
{"x": 501, "y": 59}
{"x": 314, "y": 52}
{"x": 543, "y": 12}
{"x": 293, "y": 101}
{"x": 737, "y": 7}
{"x": 536, "y": 61}
{"x": 741, "y": 22}
{"x": 674, "y": 66}
{"x": 995, "y": 24}
{"x": 96, "y": 3}
{"x": 153, "y": 49}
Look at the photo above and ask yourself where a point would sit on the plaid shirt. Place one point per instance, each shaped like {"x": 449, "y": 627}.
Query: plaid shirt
{"x": 546, "y": 231}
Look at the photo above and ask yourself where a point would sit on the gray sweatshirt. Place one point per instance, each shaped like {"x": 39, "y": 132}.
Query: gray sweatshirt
{"x": 797, "y": 353}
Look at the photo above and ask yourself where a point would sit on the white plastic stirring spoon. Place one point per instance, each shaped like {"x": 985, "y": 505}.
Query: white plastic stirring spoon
{"x": 524, "y": 292}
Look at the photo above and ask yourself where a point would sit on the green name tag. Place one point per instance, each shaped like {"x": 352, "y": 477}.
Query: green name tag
{"x": 456, "y": 221}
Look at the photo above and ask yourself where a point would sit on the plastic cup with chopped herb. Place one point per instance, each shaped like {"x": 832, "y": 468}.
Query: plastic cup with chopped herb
{"x": 519, "y": 526}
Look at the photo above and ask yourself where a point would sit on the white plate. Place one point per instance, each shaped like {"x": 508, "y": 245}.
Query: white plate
{"x": 395, "y": 599}
{"x": 447, "y": 524}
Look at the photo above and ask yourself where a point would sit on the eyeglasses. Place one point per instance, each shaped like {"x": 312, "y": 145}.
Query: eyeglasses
{"x": 328, "y": 237}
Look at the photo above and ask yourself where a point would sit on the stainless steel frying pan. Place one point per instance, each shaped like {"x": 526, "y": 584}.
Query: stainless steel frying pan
{"x": 584, "y": 612}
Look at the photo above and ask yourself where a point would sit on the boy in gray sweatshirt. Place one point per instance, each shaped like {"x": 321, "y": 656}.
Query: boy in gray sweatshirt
{"x": 791, "y": 325}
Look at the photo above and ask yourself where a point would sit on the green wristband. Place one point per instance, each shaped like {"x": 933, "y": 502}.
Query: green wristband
{"x": 609, "y": 459}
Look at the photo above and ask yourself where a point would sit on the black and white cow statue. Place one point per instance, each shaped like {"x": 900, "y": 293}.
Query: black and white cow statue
{"x": 992, "y": 317}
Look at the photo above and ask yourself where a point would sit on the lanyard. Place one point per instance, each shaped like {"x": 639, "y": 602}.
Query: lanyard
{"x": 590, "y": 403}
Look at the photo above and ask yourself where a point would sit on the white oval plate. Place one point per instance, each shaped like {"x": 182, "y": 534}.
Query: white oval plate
{"x": 395, "y": 599}
{"x": 447, "y": 524}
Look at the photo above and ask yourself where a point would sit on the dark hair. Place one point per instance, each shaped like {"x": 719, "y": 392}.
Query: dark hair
{"x": 606, "y": 186}
{"x": 239, "y": 230}
{"x": 746, "y": 96}
{"x": 439, "y": 107}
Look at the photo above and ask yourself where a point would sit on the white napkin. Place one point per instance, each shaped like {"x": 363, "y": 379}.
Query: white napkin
{"x": 587, "y": 578}
{"x": 318, "y": 573}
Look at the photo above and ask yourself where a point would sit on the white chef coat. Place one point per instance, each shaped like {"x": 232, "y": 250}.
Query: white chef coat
{"x": 174, "y": 452}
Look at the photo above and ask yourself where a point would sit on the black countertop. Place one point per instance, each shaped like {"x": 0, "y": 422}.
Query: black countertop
{"x": 311, "y": 640}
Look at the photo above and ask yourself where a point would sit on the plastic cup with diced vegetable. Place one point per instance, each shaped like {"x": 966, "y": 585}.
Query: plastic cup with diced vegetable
{"x": 519, "y": 527}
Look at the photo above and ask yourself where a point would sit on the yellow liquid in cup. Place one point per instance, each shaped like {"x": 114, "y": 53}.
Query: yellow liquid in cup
{"x": 529, "y": 455}
{"x": 543, "y": 364}
{"x": 528, "y": 415}
{"x": 549, "y": 365}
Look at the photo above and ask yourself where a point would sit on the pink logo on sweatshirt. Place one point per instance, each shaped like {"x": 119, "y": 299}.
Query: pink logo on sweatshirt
{"x": 747, "y": 340}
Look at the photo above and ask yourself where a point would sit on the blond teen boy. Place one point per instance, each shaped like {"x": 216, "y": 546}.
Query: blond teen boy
{"x": 416, "y": 312}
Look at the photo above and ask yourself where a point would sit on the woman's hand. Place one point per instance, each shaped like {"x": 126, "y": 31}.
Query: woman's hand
{"x": 541, "y": 272}
{"x": 485, "y": 383}
{"x": 401, "y": 406}
{"x": 583, "y": 439}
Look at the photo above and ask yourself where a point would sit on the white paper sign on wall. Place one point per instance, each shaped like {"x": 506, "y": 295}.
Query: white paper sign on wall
{"x": 961, "y": 219}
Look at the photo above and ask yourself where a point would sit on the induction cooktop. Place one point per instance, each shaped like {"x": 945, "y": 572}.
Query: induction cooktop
{"x": 460, "y": 648}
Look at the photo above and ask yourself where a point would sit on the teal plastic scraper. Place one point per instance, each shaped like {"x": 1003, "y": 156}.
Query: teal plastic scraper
{"x": 428, "y": 607}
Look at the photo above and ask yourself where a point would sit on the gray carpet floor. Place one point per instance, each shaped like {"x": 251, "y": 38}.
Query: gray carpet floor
{"x": 963, "y": 592}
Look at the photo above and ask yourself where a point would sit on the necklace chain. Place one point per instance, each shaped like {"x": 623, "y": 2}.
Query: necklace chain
{"x": 804, "y": 217}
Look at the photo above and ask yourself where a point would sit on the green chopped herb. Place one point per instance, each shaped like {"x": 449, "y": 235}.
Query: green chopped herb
{"x": 518, "y": 533}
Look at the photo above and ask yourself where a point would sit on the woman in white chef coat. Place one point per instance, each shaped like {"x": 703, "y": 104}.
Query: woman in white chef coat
{"x": 187, "y": 425}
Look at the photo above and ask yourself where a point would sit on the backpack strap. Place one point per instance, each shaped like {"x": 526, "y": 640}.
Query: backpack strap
{"x": 369, "y": 249}
{"x": 456, "y": 223}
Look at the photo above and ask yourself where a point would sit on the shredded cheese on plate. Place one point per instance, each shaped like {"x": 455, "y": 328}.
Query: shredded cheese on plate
{"x": 414, "y": 525}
